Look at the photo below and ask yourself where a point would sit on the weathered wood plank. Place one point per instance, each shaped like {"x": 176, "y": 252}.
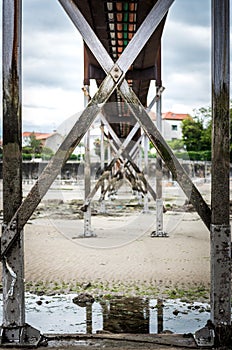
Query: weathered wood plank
{"x": 220, "y": 194}
{"x": 162, "y": 339}
{"x": 13, "y": 267}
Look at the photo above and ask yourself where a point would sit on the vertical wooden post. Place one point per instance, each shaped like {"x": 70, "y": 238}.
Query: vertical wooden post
{"x": 13, "y": 263}
{"x": 220, "y": 228}
{"x": 13, "y": 330}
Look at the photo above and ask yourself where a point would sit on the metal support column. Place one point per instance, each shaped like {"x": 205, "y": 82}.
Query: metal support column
{"x": 102, "y": 156}
{"x": 87, "y": 173}
{"x": 159, "y": 232}
{"x": 220, "y": 227}
{"x": 146, "y": 147}
{"x": 14, "y": 330}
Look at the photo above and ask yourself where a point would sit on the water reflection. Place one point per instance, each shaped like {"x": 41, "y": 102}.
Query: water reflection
{"x": 126, "y": 315}
{"x": 58, "y": 314}
{"x": 143, "y": 316}
{"x": 160, "y": 316}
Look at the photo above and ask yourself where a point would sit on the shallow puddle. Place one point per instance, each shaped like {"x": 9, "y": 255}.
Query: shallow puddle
{"x": 59, "y": 314}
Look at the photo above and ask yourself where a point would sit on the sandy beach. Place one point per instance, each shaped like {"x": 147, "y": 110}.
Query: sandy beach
{"x": 122, "y": 254}
{"x": 121, "y": 258}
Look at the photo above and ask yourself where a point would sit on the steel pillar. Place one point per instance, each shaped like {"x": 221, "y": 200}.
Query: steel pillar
{"x": 14, "y": 330}
{"x": 159, "y": 193}
{"x": 146, "y": 147}
{"x": 102, "y": 156}
{"x": 87, "y": 180}
{"x": 220, "y": 227}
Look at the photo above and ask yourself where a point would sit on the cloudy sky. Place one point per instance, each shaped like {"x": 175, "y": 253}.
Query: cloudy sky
{"x": 53, "y": 62}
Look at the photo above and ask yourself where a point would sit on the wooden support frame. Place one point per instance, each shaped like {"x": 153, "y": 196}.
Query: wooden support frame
{"x": 128, "y": 155}
{"x": 94, "y": 107}
{"x": 14, "y": 329}
{"x": 119, "y": 149}
{"x": 115, "y": 79}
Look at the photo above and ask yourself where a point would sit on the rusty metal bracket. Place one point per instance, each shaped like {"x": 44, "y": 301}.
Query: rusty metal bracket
{"x": 24, "y": 336}
{"x": 204, "y": 337}
{"x": 8, "y": 232}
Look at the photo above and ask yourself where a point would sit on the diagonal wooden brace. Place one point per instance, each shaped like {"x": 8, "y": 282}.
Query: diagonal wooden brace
{"x": 106, "y": 89}
{"x": 124, "y": 62}
{"x": 82, "y": 125}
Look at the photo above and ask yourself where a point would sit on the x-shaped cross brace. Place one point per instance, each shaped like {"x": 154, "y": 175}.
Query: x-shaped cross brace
{"x": 128, "y": 155}
{"x": 114, "y": 79}
{"x": 121, "y": 150}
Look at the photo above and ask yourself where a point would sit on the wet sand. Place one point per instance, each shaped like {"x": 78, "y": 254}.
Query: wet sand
{"x": 123, "y": 251}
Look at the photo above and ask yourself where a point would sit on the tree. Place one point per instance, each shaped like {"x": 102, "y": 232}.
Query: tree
{"x": 35, "y": 144}
{"x": 197, "y": 131}
{"x": 192, "y": 132}
{"x": 176, "y": 145}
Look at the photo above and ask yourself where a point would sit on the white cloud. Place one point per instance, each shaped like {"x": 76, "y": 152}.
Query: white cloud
{"x": 50, "y": 106}
{"x": 53, "y": 61}
{"x": 186, "y": 66}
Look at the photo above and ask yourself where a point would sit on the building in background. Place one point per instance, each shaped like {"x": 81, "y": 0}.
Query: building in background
{"x": 171, "y": 124}
{"x": 42, "y": 136}
{"x": 171, "y": 130}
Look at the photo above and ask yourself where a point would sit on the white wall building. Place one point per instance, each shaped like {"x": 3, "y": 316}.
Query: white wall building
{"x": 171, "y": 124}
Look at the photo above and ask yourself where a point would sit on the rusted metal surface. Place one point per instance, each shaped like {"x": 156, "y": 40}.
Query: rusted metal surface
{"x": 114, "y": 20}
{"x": 220, "y": 198}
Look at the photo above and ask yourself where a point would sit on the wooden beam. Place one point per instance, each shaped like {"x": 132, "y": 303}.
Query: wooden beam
{"x": 220, "y": 194}
{"x": 13, "y": 266}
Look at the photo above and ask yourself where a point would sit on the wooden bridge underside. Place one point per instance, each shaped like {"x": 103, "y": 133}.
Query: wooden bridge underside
{"x": 123, "y": 54}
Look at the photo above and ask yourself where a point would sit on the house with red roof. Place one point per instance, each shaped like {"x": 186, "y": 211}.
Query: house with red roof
{"x": 42, "y": 136}
{"x": 171, "y": 124}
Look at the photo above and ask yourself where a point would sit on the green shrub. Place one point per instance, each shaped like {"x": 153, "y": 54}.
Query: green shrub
{"x": 27, "y": 156}
{"x": 73, "y": 157}
{"x": 194, "y": 155}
